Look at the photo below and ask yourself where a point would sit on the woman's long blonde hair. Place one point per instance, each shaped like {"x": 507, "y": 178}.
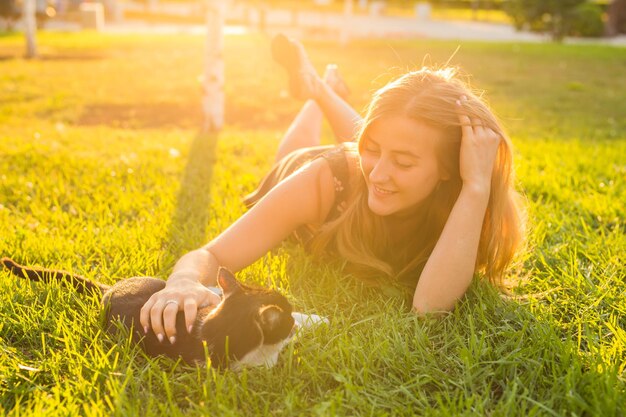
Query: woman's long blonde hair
{"x": 361, "y": 237}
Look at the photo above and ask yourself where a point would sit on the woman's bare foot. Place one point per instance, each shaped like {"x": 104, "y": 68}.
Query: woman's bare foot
{"x": 335, "y": 81}
{"x": 304, "y": 82}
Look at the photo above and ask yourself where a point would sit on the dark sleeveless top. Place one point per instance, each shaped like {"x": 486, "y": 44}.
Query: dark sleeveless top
{"x": 338, "y": 162}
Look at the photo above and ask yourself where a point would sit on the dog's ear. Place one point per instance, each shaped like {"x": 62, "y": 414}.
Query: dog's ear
{"x": 270, "y": 317}
{"x": 227, "y": 281}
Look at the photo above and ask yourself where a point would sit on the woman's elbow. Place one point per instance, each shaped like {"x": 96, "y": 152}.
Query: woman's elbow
{"x": 425, "y": 309}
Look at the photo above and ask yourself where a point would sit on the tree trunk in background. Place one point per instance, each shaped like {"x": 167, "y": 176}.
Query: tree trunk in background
{"x": 616, "y": 22}
{"x": 213, "y": 100}
{"x": 30, "y": 27}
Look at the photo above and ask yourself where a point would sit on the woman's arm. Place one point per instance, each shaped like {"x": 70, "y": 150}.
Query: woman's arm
{"x": 305, "y": 197}
{"x": 450, "y": 267}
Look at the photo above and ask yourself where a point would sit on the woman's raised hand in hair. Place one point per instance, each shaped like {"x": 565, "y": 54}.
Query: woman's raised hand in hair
{"x": 479, "y": 147}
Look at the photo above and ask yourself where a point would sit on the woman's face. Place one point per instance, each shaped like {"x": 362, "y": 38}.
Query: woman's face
{"x": 399, "y": 163}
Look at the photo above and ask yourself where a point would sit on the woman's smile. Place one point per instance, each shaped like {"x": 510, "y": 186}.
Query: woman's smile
{"x": 382, "y": 192}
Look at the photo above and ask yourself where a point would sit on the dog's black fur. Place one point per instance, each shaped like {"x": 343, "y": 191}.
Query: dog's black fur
{"x": 247, "y": 318}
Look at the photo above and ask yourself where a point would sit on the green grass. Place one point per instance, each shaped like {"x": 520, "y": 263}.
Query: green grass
{"x": 103, "y": 172}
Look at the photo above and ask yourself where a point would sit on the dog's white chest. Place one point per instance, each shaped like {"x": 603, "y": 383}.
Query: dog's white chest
{"x": 266, "y": 355}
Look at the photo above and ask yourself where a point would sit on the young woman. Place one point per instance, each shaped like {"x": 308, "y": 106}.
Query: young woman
{"x": 424, "y": 195}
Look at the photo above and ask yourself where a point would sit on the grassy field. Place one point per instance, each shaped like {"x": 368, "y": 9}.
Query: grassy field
{"x": 103, "y": 172}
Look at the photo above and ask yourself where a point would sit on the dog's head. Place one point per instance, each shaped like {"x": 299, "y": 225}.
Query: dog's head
{"x": 249, "y": 324}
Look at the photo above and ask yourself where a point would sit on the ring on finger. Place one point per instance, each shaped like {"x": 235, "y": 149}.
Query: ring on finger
{"x": 171, "y": 302}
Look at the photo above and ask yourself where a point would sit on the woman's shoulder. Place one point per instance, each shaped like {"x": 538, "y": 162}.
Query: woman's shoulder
{"x": 343, "y": 159}
{"x": 333, "y": 170}
{"x": 340, "y": 174}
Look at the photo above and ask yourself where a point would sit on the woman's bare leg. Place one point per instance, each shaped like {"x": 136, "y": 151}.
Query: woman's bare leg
{"x": 305, "y": 130}
{"x": 343, "y": 119}
{"x": 325, "y": 97}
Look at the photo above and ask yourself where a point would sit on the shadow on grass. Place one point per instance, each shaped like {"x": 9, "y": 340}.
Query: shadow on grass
{"x": 50, "y": 57}
{"x": 70, "y": 57}
{"x": 189, "y": 223}
{"x": 141, "y": 115}
{"x": 154, "y": 115}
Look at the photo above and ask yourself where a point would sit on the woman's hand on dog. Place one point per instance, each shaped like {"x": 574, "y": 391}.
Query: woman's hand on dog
{"x": 161, "y": 309}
